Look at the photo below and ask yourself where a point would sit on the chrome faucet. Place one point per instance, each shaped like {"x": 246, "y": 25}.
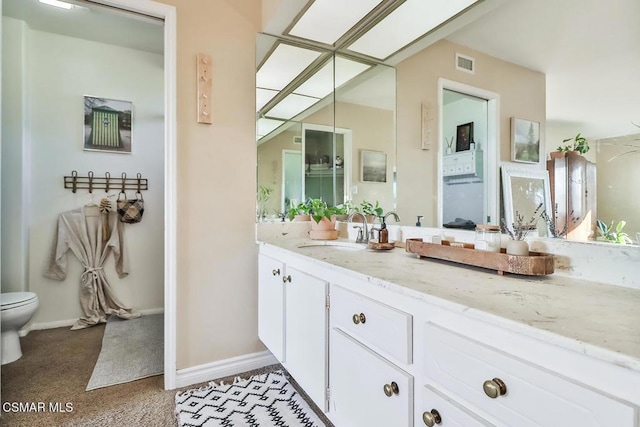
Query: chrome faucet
{"x": 361, "y": 233}
{"x": 395, "y": 216}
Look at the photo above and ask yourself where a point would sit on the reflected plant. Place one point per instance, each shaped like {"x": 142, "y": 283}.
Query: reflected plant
{"x": 520, "y": 229}
{"x": 609, "y": 233}
{"x": 551, "y": 223}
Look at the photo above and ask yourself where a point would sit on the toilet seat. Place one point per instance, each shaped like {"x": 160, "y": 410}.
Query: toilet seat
{"x": 11, "y": 300}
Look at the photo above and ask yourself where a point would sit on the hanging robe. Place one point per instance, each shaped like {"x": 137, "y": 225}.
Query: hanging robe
{"x": 91, "y": 236}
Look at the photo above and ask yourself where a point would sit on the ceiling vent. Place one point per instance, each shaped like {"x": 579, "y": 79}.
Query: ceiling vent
{"x": 465, "y": 63}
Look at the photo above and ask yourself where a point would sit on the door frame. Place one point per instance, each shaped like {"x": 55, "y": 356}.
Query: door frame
{"x": 282, "y": 187}
{"x": 168, "y": 14}
{"x": 348, "y": 156}
{"x": 492, "y": 151}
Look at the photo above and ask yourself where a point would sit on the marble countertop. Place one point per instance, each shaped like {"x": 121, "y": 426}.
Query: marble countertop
{"x": 595, "y": 319}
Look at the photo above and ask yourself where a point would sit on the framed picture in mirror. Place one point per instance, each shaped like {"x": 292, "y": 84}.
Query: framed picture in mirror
{"x": 373, "y": 166}
{"x": 525, "y": 141}
{"x": 523, "y": 190}
{"x": 464, "y": 136}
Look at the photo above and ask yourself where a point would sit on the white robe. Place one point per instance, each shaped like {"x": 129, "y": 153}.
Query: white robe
{"x": 81, "y": 231}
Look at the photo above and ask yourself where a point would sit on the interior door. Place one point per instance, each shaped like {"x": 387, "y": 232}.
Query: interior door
{"x": 291, "y": 179}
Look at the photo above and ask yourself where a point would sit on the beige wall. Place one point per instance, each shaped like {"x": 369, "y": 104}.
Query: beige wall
{"x": 217, "y": 255}
{"x": 522, "y": 94}
{"x": 618, "y": 197}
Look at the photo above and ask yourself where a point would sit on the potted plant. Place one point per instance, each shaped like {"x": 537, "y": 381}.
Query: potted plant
{"x": 262, "y": 197}
{"x": 576, "y": 145}
{"x": 517, "y": 245}
{"x": 609, "y": 233}
{"x": 323, "y": 216}
{"x": 343, "y": 210}
{"x": 299, "y": 212}
{"x": 369, "y": 210}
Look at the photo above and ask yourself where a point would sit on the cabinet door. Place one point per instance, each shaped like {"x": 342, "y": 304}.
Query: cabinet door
{"x": 357, "y": 387}
{"x": 306, "y": 331}
{"x": 271, "y": 305}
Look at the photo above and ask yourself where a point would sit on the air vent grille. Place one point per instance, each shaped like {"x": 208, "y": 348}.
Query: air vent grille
{"x": 465, "y": 63}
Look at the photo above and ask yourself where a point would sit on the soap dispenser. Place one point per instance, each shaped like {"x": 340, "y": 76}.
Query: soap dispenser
{"x": 418, "y": 224}
{"x": 383, "y": 234}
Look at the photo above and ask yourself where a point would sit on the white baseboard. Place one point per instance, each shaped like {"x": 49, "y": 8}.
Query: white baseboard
{"x": 70, "y": 322}
{"x": 223, "y": 368}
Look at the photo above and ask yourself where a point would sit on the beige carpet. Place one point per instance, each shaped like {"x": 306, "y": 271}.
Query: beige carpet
{"x": 56, "y": 367}
{"x": 131, "y": 350}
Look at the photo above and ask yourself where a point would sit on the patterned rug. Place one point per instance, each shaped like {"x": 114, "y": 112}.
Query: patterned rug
{"x": 261, "y": 401}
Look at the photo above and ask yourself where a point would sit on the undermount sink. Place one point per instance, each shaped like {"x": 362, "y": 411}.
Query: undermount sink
{"x": 335, "y": 244}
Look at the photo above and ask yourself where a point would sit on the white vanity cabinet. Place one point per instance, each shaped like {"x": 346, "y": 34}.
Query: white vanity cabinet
{"x": 293, "y": 323}
{"x": 271, "y": 305}
{"x": 388, "y": 356}
{"x": 306, "y": 333}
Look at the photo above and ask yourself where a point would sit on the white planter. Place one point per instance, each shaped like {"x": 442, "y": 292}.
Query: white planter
{"x": 518, "y": 247}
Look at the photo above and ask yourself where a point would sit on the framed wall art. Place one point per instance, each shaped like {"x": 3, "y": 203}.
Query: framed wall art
{"x": 373, "y": 166}
{"x": 107, "y": 125}
{"x": 464, "y": 136}
{"x": 525, "y": 141}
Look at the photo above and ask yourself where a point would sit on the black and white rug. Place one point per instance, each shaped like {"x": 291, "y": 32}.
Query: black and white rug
{"x": 261, "y": 401}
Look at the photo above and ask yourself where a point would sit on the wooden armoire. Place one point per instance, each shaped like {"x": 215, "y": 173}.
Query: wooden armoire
{"x": 573, "y": 192}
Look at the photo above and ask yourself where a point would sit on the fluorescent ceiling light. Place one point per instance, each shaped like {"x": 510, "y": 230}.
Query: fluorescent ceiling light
{"x": 263, "y": 96}
{"x": 321, "y": 83}
{"x": 326, "y": 21}
{"x": 58, "y": 3}
{"x": 265, "y": 126}
{"x": 283, "y": 65}
{"x": 291, "y": 106}
{"x": 414, "y": 17}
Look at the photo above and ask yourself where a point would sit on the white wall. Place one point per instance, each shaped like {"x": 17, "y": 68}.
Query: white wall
{"x": 60, "y": 71}
{"x": 14, "y": 131}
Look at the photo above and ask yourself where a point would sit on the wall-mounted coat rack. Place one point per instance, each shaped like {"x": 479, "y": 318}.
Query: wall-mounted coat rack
{"x": 91, "y": 182}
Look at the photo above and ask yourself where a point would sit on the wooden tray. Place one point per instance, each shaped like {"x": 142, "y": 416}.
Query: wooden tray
{"x": 536, "y": 264}
{"x": 373, "y": 244}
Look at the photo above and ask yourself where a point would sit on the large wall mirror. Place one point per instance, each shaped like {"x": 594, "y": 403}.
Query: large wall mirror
{"x": 570, "y": 82}
{"x": 318, "y": 114}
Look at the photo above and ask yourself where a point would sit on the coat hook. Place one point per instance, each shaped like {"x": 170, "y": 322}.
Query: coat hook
{"x": 90, "y": 174}
{"x": 74, "y": 177}
{"x": 124, "y": 180}
{"x": 107, "y": 175}
{"x": 139, "y": 176}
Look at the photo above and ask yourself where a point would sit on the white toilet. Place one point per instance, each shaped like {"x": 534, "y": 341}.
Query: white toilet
{"x": 17, "y": 310}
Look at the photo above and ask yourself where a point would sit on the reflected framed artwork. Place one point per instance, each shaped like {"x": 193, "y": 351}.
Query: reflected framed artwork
{"x": 373, "y": 166}
{"x": 525, "y": 141}
{"x": 107, "y": 125}
{"x": 464, "y": 136}
{"x": 523, "y": 190}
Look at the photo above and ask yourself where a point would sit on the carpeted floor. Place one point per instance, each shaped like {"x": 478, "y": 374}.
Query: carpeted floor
{"x": 56, "y": 367}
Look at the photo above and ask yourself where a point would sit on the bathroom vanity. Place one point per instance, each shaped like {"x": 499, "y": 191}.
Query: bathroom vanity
{"x": 386, "y": 339}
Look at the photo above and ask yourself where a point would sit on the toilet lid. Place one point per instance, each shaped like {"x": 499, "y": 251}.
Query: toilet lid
{"x": 16, "y": 299}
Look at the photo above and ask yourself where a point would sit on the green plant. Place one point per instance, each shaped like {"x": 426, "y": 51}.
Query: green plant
{"x": 367, "y": 208}
{"x": 344, "y": 208}
{"x": 262, "y": 197}
{"x": 578, "y": 143}
{"x": 319, "y": 209}
{"x": 300, "y": 209}
{"x": 610, "y": 234}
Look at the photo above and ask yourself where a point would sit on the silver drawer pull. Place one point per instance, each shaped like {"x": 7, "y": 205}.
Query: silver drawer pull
{"x": 359, "y": 318}
{"x": 286, "y": 279}
{"x": 276, "y": 272}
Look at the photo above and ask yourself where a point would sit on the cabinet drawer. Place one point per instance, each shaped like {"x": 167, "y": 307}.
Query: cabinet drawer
{"x": 358, "y": 378}
{"x": 534, "y": 396}
{"x": 450, "y": 412}
{"x": 384, "y": 328}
